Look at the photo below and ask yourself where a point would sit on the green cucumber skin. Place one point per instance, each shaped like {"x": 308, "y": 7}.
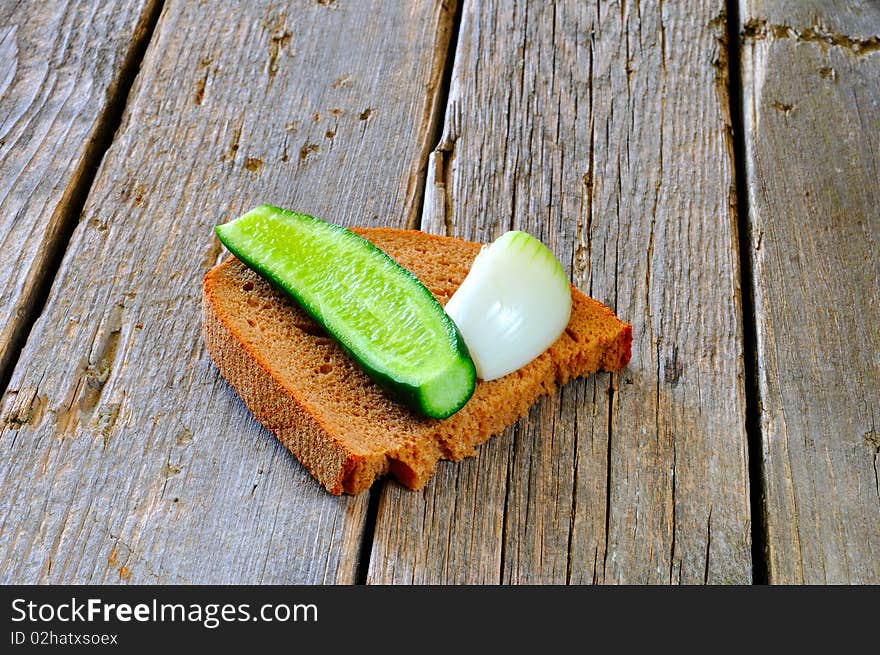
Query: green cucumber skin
{"x": 412, "y": 395}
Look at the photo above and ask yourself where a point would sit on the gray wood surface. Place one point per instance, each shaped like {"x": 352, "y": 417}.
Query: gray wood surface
{"x": 123, "y": 456}
{"x": 604, "y": 130}
{"x": 812, "y": 112}
{"x": 60, "y": 66}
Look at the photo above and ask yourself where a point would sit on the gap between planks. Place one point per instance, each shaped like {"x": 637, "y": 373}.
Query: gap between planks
{"x": 747, "y": 297}
{"x": 70, "y": 209}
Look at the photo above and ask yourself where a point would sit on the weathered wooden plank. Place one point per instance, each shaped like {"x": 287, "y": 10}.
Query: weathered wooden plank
{"x": 602, "y": 128}
{"x": 811, "y": 80}
{"x": 124, "y": 456}
{"x": 61, "y": 66}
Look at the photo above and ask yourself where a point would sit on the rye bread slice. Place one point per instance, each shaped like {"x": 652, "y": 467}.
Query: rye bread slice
{"x": 344, "y": 429}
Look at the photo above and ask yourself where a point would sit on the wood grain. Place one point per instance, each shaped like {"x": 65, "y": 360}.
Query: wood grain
{"x": 124, "y": 457}
{"x": 62, "y": 64}
{"x": 604, "y": 130}
{"x": 812, "y": 112}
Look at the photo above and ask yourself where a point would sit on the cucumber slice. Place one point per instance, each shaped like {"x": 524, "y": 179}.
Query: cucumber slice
{"x": 377, "y": 310}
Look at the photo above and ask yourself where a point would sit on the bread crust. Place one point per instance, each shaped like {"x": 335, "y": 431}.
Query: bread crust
{"x": 304, "y": 389}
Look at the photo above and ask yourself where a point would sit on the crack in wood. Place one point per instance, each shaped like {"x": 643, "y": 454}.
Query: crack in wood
{"x": 125, "y": 570}
{"x": 608, "y": 471}
{"x": 759, "y": 29}
{"x": 25, "y": 407}
{"x": 674, "y": 524}
{"x": 435, "y": 107}
{"x": 708, "y": 546}
{"x": 574, "y": 489}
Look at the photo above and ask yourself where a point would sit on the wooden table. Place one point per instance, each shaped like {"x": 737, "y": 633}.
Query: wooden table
{"x": 709, "y": 169}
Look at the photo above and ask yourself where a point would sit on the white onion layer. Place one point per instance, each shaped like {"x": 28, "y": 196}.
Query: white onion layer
{"x": 513, "y": 304}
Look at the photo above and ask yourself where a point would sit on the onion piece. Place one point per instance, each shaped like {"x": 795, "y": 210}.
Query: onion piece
{"x": 513, "y": 304}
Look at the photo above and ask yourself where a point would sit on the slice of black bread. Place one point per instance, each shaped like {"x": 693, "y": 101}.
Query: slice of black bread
{"x": 347, "y": 432}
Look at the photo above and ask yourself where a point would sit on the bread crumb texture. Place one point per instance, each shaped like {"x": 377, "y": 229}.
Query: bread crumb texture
{"x": 347, "y": 432}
